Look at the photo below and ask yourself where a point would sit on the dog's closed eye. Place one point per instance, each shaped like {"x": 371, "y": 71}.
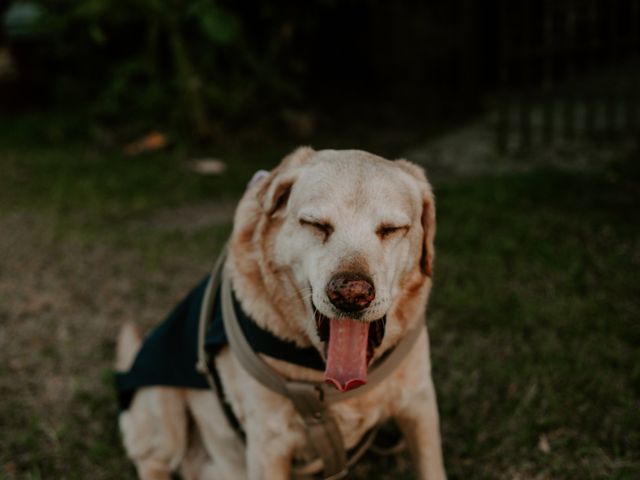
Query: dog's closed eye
{"x": 385, "y": 230}
{"x": 321, "y": 227}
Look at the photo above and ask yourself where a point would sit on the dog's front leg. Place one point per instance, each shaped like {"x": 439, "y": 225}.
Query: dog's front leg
{"x": 419, "y": 423}
{"x": 418, "y": 417}
{"x": 270, "y": 448}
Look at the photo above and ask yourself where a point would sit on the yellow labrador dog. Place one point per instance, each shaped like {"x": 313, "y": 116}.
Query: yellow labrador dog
{"x": 324, "y": 248}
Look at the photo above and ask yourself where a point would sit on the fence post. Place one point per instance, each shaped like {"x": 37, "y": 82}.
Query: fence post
{"x": 593, "y": 45}
{"x": 548, "y": 120}
{"x": 611, "y": 49}
{"x": 570, "y": 26}
{"x": 525, "y": 69}
{"x": 632, "y": 80}
{"x": 502, "y": 127}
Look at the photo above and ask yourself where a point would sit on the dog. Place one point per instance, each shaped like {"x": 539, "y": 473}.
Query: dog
{"x": 323, "y": 248}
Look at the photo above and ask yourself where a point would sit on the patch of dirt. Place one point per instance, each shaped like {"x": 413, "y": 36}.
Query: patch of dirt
{"x": 191, "y": 218}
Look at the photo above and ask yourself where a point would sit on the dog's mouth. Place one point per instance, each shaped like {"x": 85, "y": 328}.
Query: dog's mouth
{"x": 349, "y": 347}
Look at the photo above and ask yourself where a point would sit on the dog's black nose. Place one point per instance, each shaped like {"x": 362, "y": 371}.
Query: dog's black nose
{"x": 351, "y": 292}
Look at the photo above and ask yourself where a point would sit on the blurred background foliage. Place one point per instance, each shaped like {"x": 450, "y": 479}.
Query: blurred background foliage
{"x": 179, "y": 63}
{"x": 202, "y": 68}
{"x": 207, "y": 68}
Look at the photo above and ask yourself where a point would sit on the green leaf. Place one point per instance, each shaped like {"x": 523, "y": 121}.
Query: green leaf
{"x": 97, "y": 35}
{"x": 216, "y": 24}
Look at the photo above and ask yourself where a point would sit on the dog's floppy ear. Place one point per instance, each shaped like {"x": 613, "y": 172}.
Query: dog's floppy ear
{"x": 428, "y": 215}
{"x": 274, "y": 191}
{"x": 429, "y": 228}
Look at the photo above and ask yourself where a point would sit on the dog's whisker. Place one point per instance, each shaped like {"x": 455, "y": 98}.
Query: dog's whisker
{"x": 304, "y": 293}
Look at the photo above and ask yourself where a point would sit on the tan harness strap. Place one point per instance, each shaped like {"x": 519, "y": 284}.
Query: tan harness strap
{"x": 322, "y": 429}
{"x": 205, "y": 313}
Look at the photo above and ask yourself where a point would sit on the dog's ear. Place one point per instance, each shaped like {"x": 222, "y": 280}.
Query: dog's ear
{"x": 277, "y": 195}
{"x": 274, "y": 191}
{"x": 429, "y": 229}
{"x": 428, "y": 215}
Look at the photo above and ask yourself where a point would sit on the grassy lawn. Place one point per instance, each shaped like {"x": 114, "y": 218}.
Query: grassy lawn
{"x": 535, "y": 326}
{"x": 534, "y": 317}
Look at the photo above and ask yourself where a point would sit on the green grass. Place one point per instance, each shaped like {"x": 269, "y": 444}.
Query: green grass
{"x": 107, "y": 184}
{"x": 533, "y": 318}
{"x": 535, "y": 328}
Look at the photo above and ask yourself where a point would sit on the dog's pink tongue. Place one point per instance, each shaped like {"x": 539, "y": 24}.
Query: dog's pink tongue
{"x": 347, "y": 354}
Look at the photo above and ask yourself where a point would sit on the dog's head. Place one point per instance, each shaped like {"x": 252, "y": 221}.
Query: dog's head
{"x": 338, "y": 245}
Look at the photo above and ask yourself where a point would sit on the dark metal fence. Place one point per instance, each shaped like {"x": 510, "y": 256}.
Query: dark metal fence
{"x": 567, "y": 69}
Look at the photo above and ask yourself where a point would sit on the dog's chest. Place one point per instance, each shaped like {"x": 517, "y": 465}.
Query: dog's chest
{"x": 356, "y": 418}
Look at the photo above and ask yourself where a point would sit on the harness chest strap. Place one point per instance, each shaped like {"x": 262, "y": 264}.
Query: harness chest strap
{"x": 310, "y": 399}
